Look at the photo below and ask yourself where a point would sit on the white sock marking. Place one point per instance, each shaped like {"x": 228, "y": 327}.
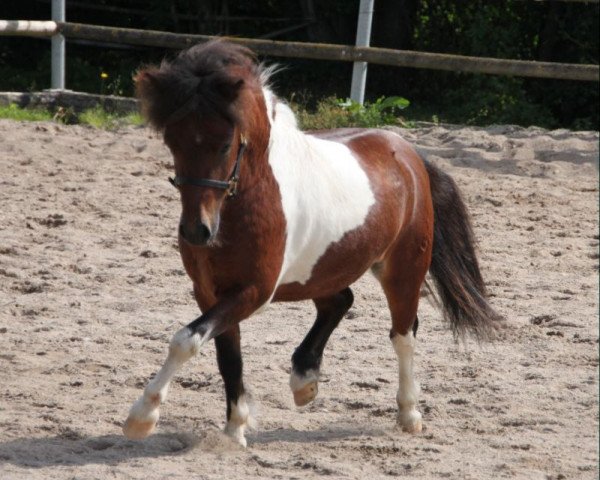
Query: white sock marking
{"x": 239, "y": 420}
{"x": 298, "y": 381}
{"x": 183, "y": 346}
{"x": 408, "y": 389}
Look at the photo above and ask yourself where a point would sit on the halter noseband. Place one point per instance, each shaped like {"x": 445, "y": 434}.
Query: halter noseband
{"x": 230, "y": 186}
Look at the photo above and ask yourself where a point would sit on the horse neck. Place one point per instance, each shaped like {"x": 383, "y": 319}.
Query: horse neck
{"x": 285, "y": 135}
{"x": 265, "y": 120}
{"x": 253, "y": 124}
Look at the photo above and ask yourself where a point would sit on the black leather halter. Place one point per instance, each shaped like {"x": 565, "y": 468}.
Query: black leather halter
{"x": 230, "y": 186}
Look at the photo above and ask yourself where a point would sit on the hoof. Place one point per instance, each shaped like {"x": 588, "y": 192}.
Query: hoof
{"x": 306, "y": 394}
{"x": 416, "y": 427}
{"x": 237, "y": 435}
{"x": 138, "y": 429}
{"x": 411, "y": 422}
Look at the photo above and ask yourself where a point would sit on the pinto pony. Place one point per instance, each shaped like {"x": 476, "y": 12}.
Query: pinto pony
{"x": 270, "y": 214}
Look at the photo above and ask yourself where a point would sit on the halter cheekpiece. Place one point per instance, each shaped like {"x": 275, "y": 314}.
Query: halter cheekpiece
{"x": 230, "y": 186}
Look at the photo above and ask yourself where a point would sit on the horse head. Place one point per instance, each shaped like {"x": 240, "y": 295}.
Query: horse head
{"x": 208, "y": 104}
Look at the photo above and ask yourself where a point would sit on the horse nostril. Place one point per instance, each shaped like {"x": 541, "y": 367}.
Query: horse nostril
{"x": 199, "y": 234}
{"x": 203, "y": 233}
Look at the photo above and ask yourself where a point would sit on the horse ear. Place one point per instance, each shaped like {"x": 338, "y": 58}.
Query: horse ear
{"x": 146, "y": 82}
{"x": 148, "y": 91}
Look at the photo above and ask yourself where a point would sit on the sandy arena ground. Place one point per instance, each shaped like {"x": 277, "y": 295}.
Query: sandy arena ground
{"x": 92, "y": 289}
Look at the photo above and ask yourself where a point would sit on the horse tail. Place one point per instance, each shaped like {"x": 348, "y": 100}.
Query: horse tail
{"x": 454, "y": 266}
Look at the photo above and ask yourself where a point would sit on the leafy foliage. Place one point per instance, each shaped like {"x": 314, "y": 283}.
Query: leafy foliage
{"x": 543, "y": 31}
{"x": 380, "y": 112}
{"x": 335, "y": 113}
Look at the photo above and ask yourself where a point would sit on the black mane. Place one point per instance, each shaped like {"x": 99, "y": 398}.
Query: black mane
{"x": 205, "y": 79}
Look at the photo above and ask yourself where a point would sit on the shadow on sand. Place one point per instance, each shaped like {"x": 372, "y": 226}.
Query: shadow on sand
{"x": 74, "y": 449}
{"x": 77, "y": 450}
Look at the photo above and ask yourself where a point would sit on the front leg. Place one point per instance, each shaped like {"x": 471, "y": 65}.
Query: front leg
{"x": 224, "y": 315}
{"x": 144, "y": 413}
{"x": 229, "y": 358}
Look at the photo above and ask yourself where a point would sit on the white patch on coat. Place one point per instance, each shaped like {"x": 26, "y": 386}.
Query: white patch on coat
{"x": 324, "y": 192}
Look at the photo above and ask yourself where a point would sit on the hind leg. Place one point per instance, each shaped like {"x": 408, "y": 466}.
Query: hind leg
{"x": 409, "y": 417}
{"x": 306, "y": 360}
{"x": 401, "y": 279}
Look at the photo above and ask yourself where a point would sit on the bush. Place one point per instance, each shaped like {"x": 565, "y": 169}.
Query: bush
{"x": 335, "y": 113}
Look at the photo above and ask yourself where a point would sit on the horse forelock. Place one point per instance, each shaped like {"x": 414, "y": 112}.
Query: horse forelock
{"x": 206, "y": 79}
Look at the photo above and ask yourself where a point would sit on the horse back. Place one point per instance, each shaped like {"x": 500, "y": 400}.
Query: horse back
{"x": 396, "y": 172}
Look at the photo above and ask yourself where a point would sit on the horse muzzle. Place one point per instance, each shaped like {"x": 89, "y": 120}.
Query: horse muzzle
{"x": 197, "y": 233}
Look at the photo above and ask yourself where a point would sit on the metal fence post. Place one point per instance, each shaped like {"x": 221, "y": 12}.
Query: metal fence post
{"x": 363, "y": 39}
{"x": 58, "y": 48}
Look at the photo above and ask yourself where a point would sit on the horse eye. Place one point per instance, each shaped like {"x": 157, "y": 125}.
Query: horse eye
{"x": 225, "y": 148}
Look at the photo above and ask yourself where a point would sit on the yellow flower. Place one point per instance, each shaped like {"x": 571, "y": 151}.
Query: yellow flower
{"x": 104, "y": 75}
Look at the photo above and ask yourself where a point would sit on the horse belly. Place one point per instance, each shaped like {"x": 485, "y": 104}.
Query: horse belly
{"x": 341, "y": 265}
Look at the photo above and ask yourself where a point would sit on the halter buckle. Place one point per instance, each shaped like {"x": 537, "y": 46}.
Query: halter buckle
{"x": 233, "y": 186}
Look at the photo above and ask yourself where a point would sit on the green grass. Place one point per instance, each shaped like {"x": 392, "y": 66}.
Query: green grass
{"x": 100, "y": 118}
{"x": 96, "y": 117}
{"x": 329, "y": 113}
{"x": 14, "y": 112}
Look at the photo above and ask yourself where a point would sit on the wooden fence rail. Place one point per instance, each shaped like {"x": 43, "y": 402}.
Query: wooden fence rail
{"x": 381, "y": 56}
